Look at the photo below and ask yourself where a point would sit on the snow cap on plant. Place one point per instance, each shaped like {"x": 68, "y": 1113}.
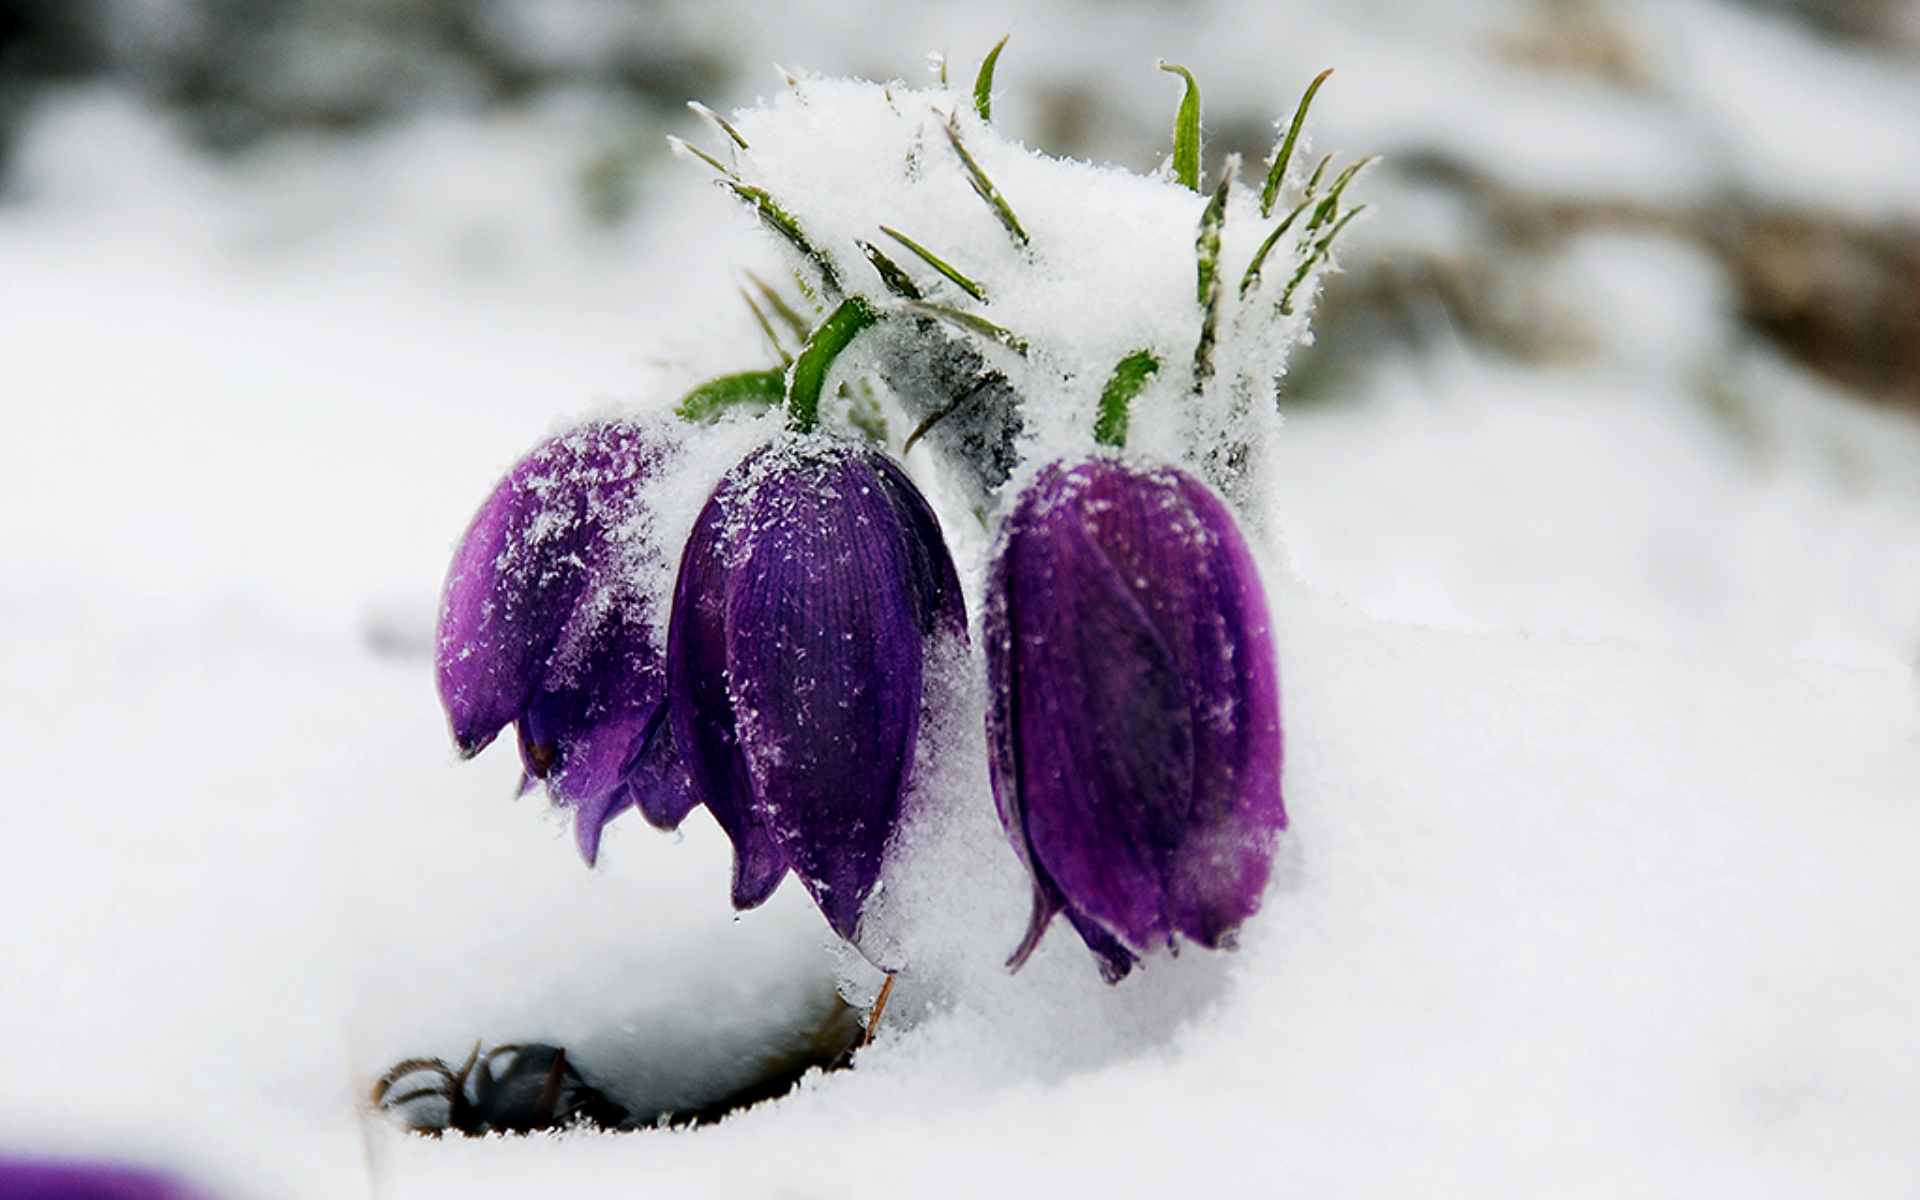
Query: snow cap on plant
{"x": 1003, "y": 286}
{"x": 540, "y": 626}
{"x": 1133, "y": 709}
{"x": 808, "y": 592}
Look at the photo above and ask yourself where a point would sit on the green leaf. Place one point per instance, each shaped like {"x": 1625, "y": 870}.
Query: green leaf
{"x": 897, "y": 281}
{"x": 761, "y": 389}
{"x": 799, "y": 326}
{"x": 1277, "y": 173}
{"x": 783, "y": 224}
{"x": 1116, "y": 399}
{"x": 1212, "y": 221}
{"x": 1186, "y": 131}
{"x": 719, "y": 120}
{"x": 983, "y": 82}
{"x": 1207, "y": 244}
{"x": 1332, "y": 201}
{"x": 726, "y": 172}
{"x": 809, "y": 373}
{"x": 1322, "y": 250}
{"x": 985, "y": 189}
{"x": 927, "y": 256}
{"x": 1251, "y": 279}
{"x": 972, "y": 324}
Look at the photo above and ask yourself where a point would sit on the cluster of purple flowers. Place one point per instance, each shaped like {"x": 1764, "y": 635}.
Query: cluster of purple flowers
{"x": 1134, "y": 724}
{"x": 785, "y": 694}
{"x": 1133, "y": 713}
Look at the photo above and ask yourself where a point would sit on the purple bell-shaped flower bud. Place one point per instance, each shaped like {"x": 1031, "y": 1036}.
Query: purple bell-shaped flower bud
{"x": 541, "y": 625}
{"x": 1133, "y": 714}
{"x": 808, "y": 591}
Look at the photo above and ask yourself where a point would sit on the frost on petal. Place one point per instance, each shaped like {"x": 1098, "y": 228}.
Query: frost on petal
{"x": 700, "y": 708}
{"x": 1133, "y": 714}
{"x": 796, "y": 656}
{"x": 539, "y": 627}
{"x": 1217, "y": 879}
{"x": 824, "y": 619}
{"x": 934, "y": 584}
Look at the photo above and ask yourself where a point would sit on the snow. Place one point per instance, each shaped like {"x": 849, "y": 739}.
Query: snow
{"x": 1603, "y": 733}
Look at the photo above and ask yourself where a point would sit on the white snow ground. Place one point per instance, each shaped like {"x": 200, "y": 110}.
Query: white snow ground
{"x": 1603, "y": 747}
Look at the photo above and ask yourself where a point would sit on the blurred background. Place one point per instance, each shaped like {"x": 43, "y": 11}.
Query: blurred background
{"x": 1626, "y": 350}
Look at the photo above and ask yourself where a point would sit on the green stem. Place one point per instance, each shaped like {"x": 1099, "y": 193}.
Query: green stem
{"x": 809, "y": 374}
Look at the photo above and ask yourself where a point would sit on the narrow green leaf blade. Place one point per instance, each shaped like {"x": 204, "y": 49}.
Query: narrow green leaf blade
{"x": 1277, "y": 173}
{"x": 788, "y": 229}
{"x": 809, "y": 373}
{"x": 985, "y": 189}
{"x": 961, "y": 319}
{"x": 1116, "y": 399}
{"x": 761, "y": 389}
{"x": 931, "y": 259}
{"x": 1186, "y": 131}
{"x": 897, "y": 281}
{"x": 983, "y": 82}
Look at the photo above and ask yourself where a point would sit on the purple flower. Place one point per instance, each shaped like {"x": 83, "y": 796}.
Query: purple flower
{"x": 808, "y": 590}
{"x": 54, "y": 1179}
{"x": 542, "y": 624}
{"x": 1133, "y": 709}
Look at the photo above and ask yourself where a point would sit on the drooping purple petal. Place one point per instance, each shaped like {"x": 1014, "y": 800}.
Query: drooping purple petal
{"x": 699, "y": 706}
{"x": 593, "y": 732}
{"x": 806, "y": 597}
{"x": 541, "y": 625}
{"x": 1133, "y": 716}
{"x": 1219, "y": 874}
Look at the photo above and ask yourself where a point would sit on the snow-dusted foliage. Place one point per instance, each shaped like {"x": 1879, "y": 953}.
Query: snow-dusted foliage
{"x": 1137, "y": 776}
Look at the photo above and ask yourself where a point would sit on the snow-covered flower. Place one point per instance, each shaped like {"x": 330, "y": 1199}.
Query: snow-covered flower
{"x": 1134, "y": 709}
{"x": 541, "y": 626}
{"x": 808, "y": 592}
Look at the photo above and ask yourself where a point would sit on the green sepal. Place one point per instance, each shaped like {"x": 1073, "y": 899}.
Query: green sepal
{"x": 972, "y": 324}
{"x": 1277, "y": 173}
{"x": 809, "y": 372}
{"x": 983, "y": 186}
{"x": 931, "y": 259}
{"x": 1186, "y": 131}
{"x": 704, "y": 404}
{"x": 1116, "y": 399}
{"x": 983, "y": 82}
